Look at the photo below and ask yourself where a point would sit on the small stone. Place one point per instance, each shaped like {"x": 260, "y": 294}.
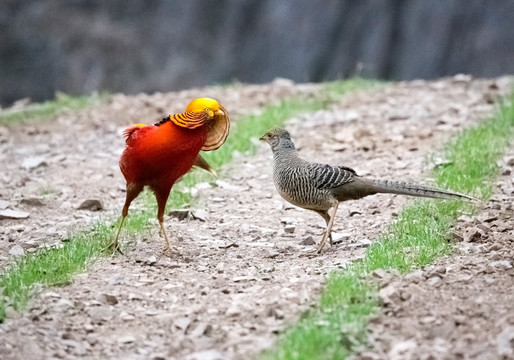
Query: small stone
{"x": 502, "y": 264}
{"x": 91, "y": 205}
{"x": 108, "y": 299}
{"x": 505, "y": 342}
{"x": 200, "y": 330}
{"x": 287, "y": 220}
{"x": 474, "y": 235}
{"x": 180, "y": 214}
{"x": 289, "y": 229}
{"x": 457, "y": 237}
{"x": 16, "y": 250}
{"x": 4, "y": 204}
{"x": 415, "y": 276}
{"x": 403, "y": 350}
{"x": 32, "y": 201}
{"x": 388, "y": 294}
{"x": 354, "y": 212}
{"x": 63, "y": 305}
{"x": 273, "y": 253}
{"x": 364, "y": 242}
{"x": 434, "y": 281}
{"x": 31, "y": 163}
{"x": 379, "y": 273}
{"x": 201, "y": 215}
{"x": 13, "y": 214}
{"x": 182, "y": 323}
{"x": 125, "y": 316}
{"x": 490, "y": 218}
{"x": 99, "y": 314}
{"x": 206, "y": 355}
{"x": 126, "y": 339}
{"x": 233, "y": 311}
{"x": 10, "y": 313}
{"x": 308, "y": 240}
{"x": 151, "y": 260}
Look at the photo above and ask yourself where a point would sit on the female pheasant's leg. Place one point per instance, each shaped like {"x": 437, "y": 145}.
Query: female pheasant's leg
{"x": 326, "y": 217}
{"x": 329, "y": 228}
{"x": 133, "y": 190}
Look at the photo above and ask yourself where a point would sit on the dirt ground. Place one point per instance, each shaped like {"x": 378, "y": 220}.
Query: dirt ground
{"x": 248, "y": 270}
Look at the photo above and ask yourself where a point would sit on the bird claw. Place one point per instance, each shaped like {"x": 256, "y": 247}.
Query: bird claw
{"x": 114, "y": 247}
{"x": 168, "y": 251}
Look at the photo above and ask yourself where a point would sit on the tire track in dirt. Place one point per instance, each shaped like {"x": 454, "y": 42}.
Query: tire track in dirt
{"x": 240, "y": 277}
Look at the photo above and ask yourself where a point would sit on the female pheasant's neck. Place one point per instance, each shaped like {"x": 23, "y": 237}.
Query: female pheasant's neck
{"x": 286, "y": 155}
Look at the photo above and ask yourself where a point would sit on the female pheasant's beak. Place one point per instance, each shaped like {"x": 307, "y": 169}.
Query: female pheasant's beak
{"x": 265, "y": 137}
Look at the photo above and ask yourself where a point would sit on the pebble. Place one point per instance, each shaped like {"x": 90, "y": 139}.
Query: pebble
{"x": 4, "y": 204}
{"x": 99, "y": 314}
{"x": 505, "y": 342}
{"x": 403, "y": 350}
{"x": 206, "y": 355}
{"x": 379, "y": 273}
{"x": 91, "y": 205}
{"x": 388, "y": 294}
{"x": 201, "y": 215}
{"x": 289, "y": 229}
{"x": 308, "y": 240}
{"x": 108, "y": 299}
{"x": 13, "y": 214}
{"x": 16, "y": 250}
{"x": 33, "y": 162}
{"x": 126, "y": 339}
{"x": 502, "y": 264}
{"x": 32, "y": 201}
{"x": 63, "y": 305}
{"x": 182, "y": 323}
{"x": 151, "y": 260}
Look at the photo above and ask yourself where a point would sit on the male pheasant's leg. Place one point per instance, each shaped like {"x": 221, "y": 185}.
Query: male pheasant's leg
{"x": 162, "y": 197}
{"x": 160, "y": 218}
{"x": 133, "y": 191}
{"x": 329, "y": 229}
{"x": 114, "y": 244}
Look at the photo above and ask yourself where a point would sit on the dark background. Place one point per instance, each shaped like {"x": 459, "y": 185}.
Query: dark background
{"x": 78, "y": 46}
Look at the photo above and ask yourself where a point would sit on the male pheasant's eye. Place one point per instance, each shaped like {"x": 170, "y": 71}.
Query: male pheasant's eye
{"x": 208, "y": 109}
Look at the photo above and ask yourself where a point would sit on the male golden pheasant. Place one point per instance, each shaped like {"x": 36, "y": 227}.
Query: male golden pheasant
{"x": 157, "y": 156}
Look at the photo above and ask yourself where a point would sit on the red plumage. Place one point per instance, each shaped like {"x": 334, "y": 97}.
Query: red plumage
{"x": 157, "y": 156}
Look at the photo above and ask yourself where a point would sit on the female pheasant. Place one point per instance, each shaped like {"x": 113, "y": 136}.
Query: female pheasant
{"x": 158, "y": 155}
{"x": 320, "y": 187}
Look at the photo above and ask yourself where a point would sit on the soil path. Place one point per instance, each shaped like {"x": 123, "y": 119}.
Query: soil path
{"x": 240, "y": 277}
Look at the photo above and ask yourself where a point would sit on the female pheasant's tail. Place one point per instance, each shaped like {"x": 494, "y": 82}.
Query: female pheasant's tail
{"x": 403, "y": 188}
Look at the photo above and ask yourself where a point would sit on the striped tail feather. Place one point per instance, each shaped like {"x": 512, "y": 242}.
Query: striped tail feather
{"x": 403, "y": 188}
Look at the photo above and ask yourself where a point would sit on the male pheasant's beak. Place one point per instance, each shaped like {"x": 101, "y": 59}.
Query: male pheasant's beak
{"x": 218, "y": 113}
{"x": 212, "y": 113}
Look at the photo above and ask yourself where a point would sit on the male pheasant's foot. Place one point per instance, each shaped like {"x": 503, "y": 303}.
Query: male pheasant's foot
{"x": 114, "y": 246}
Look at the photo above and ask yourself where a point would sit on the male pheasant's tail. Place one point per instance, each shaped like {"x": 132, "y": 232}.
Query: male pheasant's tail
{"x": 403, "y": 188}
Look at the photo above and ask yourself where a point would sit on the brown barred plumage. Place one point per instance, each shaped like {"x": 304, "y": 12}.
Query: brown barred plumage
{"x": 320, "y": 187}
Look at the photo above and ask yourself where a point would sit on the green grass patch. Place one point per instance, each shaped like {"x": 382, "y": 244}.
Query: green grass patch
{"x": 37, "y": 112}
{"x": 337, "y": 324}
{"x": 57, "y": 265}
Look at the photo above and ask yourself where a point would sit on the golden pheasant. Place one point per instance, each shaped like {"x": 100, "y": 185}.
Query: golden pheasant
{"x": 320, "y": 187}
{"x": 158, "y": 155}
